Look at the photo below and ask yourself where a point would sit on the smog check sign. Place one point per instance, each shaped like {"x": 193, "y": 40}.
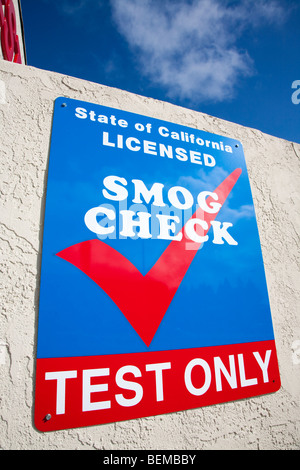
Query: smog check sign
{"x": 153, "y": 296}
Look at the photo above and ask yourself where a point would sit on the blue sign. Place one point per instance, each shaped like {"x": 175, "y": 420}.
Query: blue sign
{"x": 150, "y": 245}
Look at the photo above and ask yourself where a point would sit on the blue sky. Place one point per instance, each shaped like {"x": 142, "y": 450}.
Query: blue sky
{"x": 232, "y": 59}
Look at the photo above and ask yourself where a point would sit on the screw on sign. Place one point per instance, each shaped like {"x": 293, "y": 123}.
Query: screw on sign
{"x": 9, "y": 38}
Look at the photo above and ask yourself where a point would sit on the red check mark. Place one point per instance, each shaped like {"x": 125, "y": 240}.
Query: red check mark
{"x": 143, "y": 300}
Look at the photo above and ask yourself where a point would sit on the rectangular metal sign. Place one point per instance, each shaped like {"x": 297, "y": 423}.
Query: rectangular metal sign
{"x": 153, "y": 297}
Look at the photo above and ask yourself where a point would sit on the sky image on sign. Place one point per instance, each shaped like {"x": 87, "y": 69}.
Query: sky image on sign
{"x": 153, "y": 296}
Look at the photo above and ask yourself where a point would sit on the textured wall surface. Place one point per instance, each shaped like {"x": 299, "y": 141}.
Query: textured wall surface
{"x": 269, "y": 422}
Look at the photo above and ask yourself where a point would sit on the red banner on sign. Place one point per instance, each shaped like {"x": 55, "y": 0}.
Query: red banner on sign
{"x": 83, "y": 391}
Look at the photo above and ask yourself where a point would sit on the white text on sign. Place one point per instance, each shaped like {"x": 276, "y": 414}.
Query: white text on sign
{"x": 166, "y": 225}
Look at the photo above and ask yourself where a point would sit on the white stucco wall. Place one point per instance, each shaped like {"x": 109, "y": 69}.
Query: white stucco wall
{"x": 268, "y": 422}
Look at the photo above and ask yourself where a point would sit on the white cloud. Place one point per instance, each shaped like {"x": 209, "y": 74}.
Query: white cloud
{"x": 204, "y": 181}
{"x": 191, "y": 47}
